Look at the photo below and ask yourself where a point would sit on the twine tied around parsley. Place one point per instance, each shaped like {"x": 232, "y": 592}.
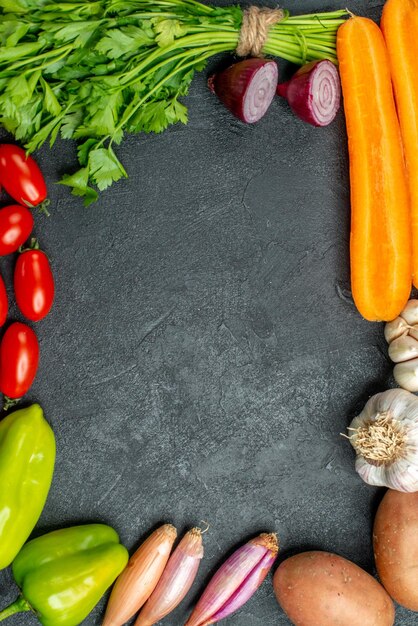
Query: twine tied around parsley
{"x": 256, "y": 23}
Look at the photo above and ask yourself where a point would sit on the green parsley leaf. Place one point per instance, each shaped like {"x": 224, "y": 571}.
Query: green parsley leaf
{"x": 78, "y": 33}
{"x": 106, "y": 113}
{"x": 71, "y": 122}
{"x": 167, "y": 31}
{"x": 14, "y": 6}
{"x": 8, "y": 55}
{"x": 105, "y": 167}
{"x": 51, "y": 103}
{"x": 18, "y": 89}
{"x": 12, "y": 31}
{"x": 42, "y": 135}
{"x": 84, "y": 149}
{"x": 79, "y": 185}
{"x": 29, "y": 119}
{"x": 177, "y": 112}
{"x": 121, "y": 41}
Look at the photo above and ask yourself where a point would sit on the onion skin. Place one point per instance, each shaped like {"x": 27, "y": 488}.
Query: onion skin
{"x": 244, "y": 593}
{"x": 246, "y": 88}
{"x": 177, "y": 578}
{"x": 395, "y": 544}
{"x": 324, "y": 589}
{"x": 235, "y": 581}
{"x": 314, "y": 93}
{"x": 137, "y": 582}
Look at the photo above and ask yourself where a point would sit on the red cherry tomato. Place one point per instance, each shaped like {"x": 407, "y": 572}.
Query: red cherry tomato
{"x": 4, "y": 304}
{"x": 20, "y": 176}
{"x": 19, "y": 359}
{"x": 16, "y": 224}
{"x": 34, "y": 284}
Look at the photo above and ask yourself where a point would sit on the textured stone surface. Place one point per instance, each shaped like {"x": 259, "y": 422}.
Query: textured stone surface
{"x": 203, "y": 354}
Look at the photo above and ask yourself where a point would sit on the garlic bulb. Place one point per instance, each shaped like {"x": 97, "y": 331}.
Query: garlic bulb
{"x": 385, "y": 438}
{"x": 402, "y": 337}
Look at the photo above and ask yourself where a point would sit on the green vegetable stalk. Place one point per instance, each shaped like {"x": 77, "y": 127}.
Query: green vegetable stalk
{"x": 27, "y": 457}
{"x": 64, "y": 574}
{"x": 92, "y": 71}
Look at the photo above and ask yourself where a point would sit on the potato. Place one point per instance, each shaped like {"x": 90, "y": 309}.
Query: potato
{"x": 395, "y": 543}
{"x": 324, "y": 589}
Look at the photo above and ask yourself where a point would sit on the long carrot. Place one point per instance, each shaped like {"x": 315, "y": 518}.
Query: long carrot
{"x": 400, "y": 29}
{"x": 380, "y": 245}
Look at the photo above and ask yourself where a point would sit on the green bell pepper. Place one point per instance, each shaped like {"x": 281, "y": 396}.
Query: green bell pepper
{"x": 27, "y": 458}
{"x": 64, "y": 574}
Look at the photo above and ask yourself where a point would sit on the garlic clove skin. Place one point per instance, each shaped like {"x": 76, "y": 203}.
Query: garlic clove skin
{"x": 371, "y": 474}
{"x": 403, "y": 476}
{"x": 401, "y": 405}
{"x": 410, "y": 312}
{"x": 395, "y": 329}
{"x": 404, "y": 348}
{"x": 402, "y": 336}
{"x": 385, "y": 437}
{"x": 406, "y": 374}
{"x": 413, "y": 332}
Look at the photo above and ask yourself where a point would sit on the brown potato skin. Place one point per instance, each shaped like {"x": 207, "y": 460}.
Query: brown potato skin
{"x": 395, "y": 544}
{"x": 324, "y": 589}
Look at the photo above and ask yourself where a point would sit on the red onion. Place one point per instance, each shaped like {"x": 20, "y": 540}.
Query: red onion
{"x": 235, "y": 581}
{"x": 314, "y": 92}
{"x": 177, "y": 578}
{"x": 246, "y": 88}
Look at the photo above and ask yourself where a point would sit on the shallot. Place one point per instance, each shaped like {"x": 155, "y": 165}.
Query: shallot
{"x": 246, "y": 88}
{"x": 177, "y": 578}
{"x": 236, "y": 580}
{"x": 314, "y": 92}
{"x": 137, "y": 582}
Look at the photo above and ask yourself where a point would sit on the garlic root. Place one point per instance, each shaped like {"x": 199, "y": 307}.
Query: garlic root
{"x": 385, "y": 438}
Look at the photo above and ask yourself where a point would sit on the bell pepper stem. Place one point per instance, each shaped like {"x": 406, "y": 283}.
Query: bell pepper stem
{"x": 18, "y": 606}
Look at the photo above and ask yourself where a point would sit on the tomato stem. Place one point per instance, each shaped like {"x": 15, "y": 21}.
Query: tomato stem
{"x": 43, "y": 207}
{"x": 9, "y": 403}
{"x": 32, "y": 245}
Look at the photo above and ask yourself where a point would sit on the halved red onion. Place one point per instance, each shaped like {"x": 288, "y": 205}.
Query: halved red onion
{"x": 314, "y": 92}
{"x": 246, "y": 88}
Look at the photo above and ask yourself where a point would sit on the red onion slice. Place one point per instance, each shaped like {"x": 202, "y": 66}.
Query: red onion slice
{"x": 314, "y": 92}
{"x": 246, "y": 88}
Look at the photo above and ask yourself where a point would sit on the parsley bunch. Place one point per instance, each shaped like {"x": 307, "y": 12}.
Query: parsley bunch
{"x": 92, "y": 70}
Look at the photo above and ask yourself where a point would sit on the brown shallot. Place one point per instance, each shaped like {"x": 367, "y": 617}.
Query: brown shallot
{"x": 137, "y": 582}
{"x": 176, "y": 580}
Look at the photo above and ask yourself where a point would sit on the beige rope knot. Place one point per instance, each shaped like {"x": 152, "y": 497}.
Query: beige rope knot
{"x": 255, "y": 27}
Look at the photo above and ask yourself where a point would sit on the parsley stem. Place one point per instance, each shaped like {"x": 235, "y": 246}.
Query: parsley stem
{"x": 37, "y": 68}
{"x": 189, "y": 41}
{"x": 213, "y": 49}
{"x": 45, "y": 55}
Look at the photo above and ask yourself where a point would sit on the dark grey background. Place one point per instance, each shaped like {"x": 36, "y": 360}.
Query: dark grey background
{"x": 203, "y": 355}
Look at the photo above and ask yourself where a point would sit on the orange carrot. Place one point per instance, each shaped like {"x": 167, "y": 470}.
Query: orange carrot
{"x": 380, "y": 245}
{"x": 400, "y": 29}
